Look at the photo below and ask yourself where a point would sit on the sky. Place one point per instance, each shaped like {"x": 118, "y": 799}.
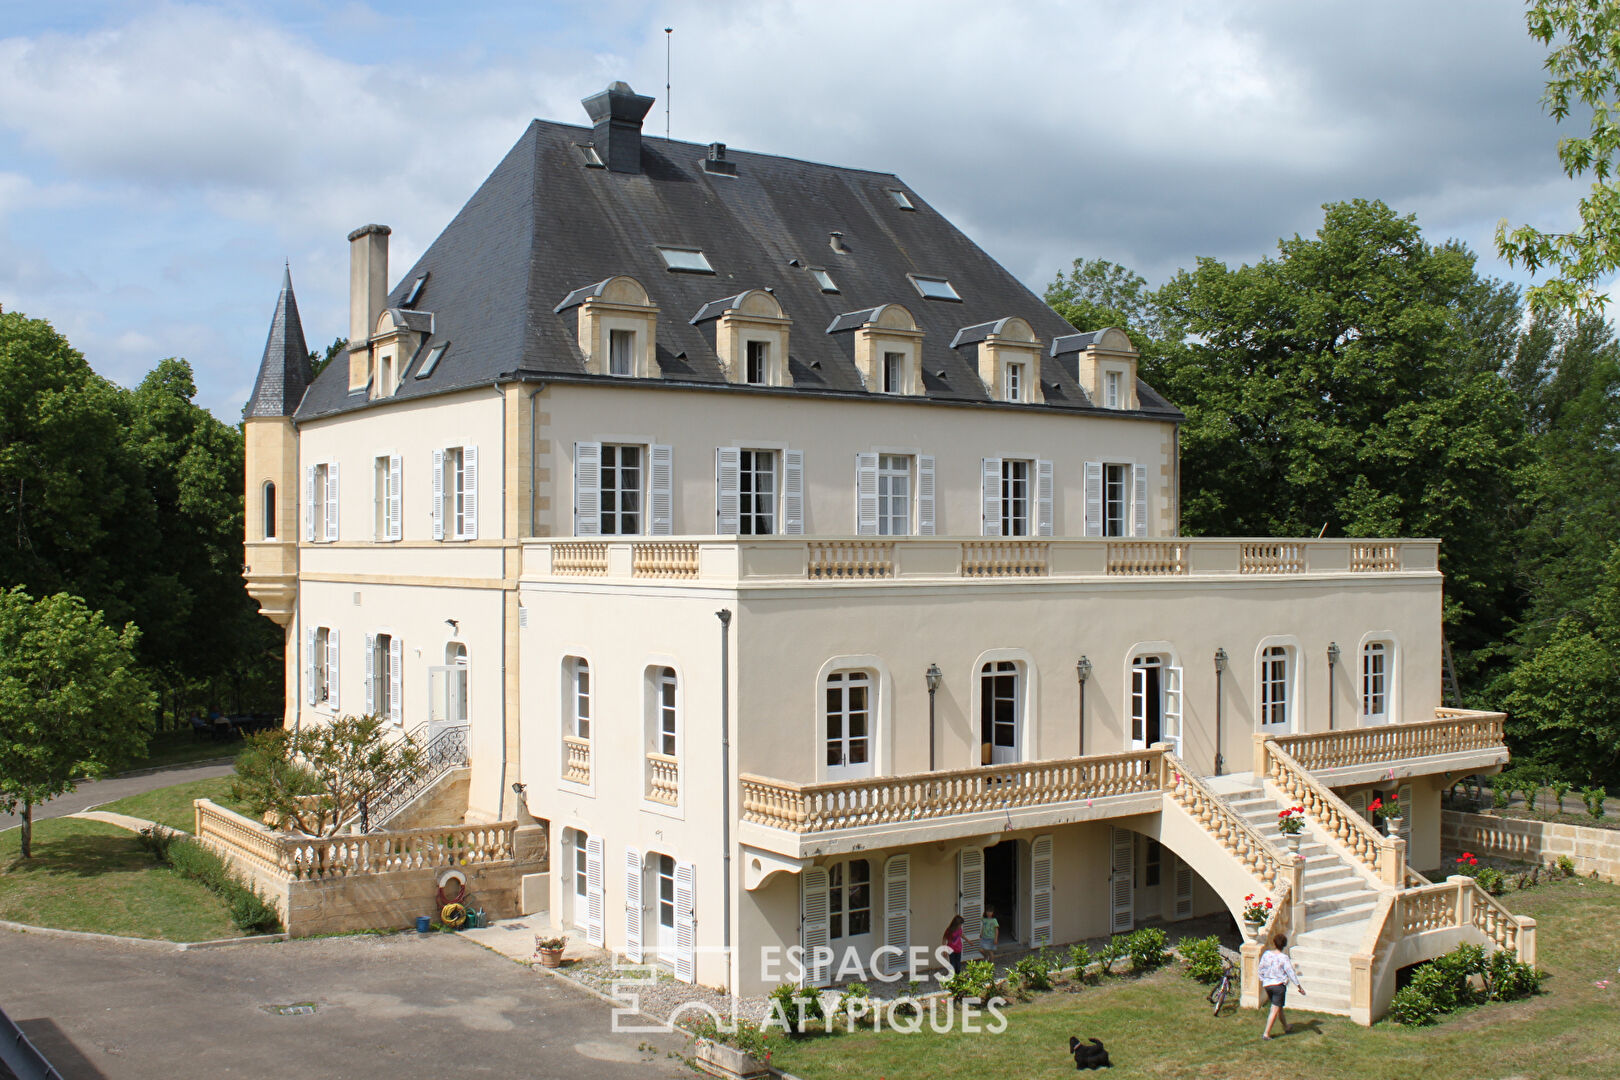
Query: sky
{"x": 160, "y": 161}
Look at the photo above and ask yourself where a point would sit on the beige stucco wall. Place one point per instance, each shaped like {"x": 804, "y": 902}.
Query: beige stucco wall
{"x": 831, "y": 431}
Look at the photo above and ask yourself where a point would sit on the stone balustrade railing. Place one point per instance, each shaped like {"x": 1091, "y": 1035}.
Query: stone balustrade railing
{"x": 1453, "y": 731}
{"x": 1238, "y": 837}
{"x": 663, "y": 779}
{"x": 1431, "y": 907}
{"x": 833, "y": 559}
{"x": 244, "y": 837}
{"x": 578, "y": 768}
{"x": 813, "y": 808}
{"x": 1383, "y": 856}
{"x": 1282, "y": 921}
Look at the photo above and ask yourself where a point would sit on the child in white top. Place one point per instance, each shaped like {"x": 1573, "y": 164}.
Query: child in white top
{"x": 1276, "y": 972}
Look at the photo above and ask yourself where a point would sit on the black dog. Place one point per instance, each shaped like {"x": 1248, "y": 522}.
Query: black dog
{"x": 1089, "y": 1055}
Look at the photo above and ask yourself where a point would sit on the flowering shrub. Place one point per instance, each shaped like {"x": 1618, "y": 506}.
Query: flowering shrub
{"x": 1490, "y": 879}
{"x": 1256, "y": 911}
{"x": 1383, "y": 808}
{"x": 1291, "y": 820}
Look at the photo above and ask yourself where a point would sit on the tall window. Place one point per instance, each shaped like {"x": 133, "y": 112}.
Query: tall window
{"x": 1274, "y": 703}
{"x": 580, "y": 698}
{"x": 455, "y": 661}
{"x": 455, "y": 492}
{"x": 1375, "y": 682}
{"x": 849, "y": 723}
{"x": 621, "y": 490}
{"x": 1014, "y": 385}
{"x": 666, "y": 896}
{"x": 894, "y": 373}
{"x": 620, "y": 345}
{"x": 1116, "y": 499}
{"x": 664, "y": 707}
{"x": 756, "y": 480}
{"x": 582, "y": 873}
{"x": 849, "y": 898}
{"x": 998, "y": 712}
{"x": 1111, "y": 384}
{"x": 1014, "y": 497}
{"x": 269, "y": 510}
{"x": 894, "y": 495}
{"x": 758, "y": 371}
{"x": 320, "y": 508}
{"x": 382, "y": 675}
{"x": 323, "y": 672}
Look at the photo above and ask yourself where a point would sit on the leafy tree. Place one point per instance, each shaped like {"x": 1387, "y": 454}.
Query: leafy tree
{"x": 318, "y": 361}
{"x": 72, "y": 701}
{"x": 317, "y": 779}
{"x": 1584, "y": 70}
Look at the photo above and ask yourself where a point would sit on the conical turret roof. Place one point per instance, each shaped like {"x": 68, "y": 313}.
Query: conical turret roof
{"x": 284, "y": 373}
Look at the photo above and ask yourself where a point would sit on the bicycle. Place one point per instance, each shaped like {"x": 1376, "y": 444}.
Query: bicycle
{"x": 1218, "y": 995}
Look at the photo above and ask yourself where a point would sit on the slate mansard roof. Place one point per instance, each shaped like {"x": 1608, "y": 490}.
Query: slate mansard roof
{"x": 543, "y": 225}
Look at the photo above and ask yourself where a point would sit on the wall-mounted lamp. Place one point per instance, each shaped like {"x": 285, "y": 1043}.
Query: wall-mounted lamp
{"x": 518, "y": 788}
{"x": 1333, "y": 654}
{"x": 1220, "y": 670}
{"x": 454, "y": 626}
{"x": 934, "y": 676}
{"x": 1082, "y": 671}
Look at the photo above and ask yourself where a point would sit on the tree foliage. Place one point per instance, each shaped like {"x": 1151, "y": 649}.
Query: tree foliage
{"x": 73, "y": 702}
{"x": 1584, "y": 75}
{"x": 317, "y": 779}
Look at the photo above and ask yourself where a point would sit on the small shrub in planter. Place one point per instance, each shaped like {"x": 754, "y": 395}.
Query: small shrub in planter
{"x": 1203, "y": 958}
{"x": 1149, "y": 949}
{"x": 798, "y": 1008}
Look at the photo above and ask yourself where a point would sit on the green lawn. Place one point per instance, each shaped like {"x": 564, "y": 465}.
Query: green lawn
{"x": 1160, "y": 1026}
{"x": 86, "y": 875}
{"x": 172, "y": 805}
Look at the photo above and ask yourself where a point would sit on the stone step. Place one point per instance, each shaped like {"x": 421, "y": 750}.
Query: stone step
{"x": 1339, "y": 893}
{"x": 1348, "y": 915}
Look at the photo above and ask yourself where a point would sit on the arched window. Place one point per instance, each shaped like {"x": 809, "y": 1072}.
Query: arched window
{"x": 269, "y": 510}
{"x": 1276, "y": 704}
{"x": 848, "y": 720}
{"x": 1001, "y": 693}
{"x": 1375, "y": 672}
{"x": 579, "y": 719}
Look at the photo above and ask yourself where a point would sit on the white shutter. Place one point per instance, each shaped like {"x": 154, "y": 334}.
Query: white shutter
{"x": 1171, "y": 728}
{"x": 1040, "y": 891}
{"x": 632, "y": 905}
{"x": 396, "y": 680}
{"x": 661, "y": 490}
{"x": 438, "y": 494}
{"x": 309, "y": 665}
{"x": 1122, "y": 886}
{"x": 396, "y": 475}
{"x": 866, "y": 494}
{"x": 310, "y": 509}
{"x": 970, "y": 895}
{"x": 1404, "y": 795}
{"x": 331, "y": 502}
{"x": 587, "y": 489}
{"x": 1139, "y": 501}
{"x": 1043, "y": 498}
{"x": 925, "y": 495}
{"x": 1094, "y": 498}
{"x": 1358, "y": 802}
{"x": 371, "y": 674}
{"x": 1138, "y": 708}
{"x": 685, "y": 922}
{"x": 593, "y": 891}
{"x": 332, "y": 669}
{"x": 1184, "y": 888}
{"x": 991, "y": 496}
{"x": 897, "y": 911}
{"x": 727, "y": 497}
{"x": 469, "y": 498}
{"x": 813, "y": 926}
{"x": 792, "y": 492}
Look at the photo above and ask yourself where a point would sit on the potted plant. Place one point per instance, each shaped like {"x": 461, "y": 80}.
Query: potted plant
{"x": 742, "y": 1053}
{"x": 1291, "y": 822}
{"x": 550, "y": 950}
{"x": 1387, "y": 811}
{"x": 1255, "y": 914}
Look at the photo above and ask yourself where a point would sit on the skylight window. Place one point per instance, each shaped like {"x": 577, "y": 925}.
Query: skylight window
{"x": 686, "y": 260}
{"x": 416, "y": 290}
{"x": 901, "y": 199}
{"x": 432, "y": 361}
{"x": 823, "y": 279}
{"x": 588, "y": 154}
{"x": 935, "y": 288}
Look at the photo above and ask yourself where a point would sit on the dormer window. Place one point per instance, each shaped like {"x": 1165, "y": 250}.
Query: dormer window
{"x": 621, "y": 352}
{"x": 686, "y": 260}
{"x": 1111, "y": 391}
{"x": 1015, "y": 382}
{"x": 434, "y": 355}
{"x": 823, "y": 279}
{"x": 416, "y": 290}
{"x": 934, "y": 288}
{"x": 894, "y": 373}
{"x": 901, "y": 199}
{"x": 385, "y": 382}
{"x": 759, "y": 364}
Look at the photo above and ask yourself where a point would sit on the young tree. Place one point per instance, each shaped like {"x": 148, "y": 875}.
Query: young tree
{"x": 318, "y": 778}
{"x": 72, "y": 702}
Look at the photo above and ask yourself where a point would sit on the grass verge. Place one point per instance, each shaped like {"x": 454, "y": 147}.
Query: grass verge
{"x": 86, "y": 875}
{"x": 182, "y": 748}
{"x": 1160, "y": 1026}
{"x": 171, "y": 806}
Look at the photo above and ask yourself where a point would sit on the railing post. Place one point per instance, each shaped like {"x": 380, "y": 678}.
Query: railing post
{"x": 1465, "y": 898}
{"x": 1392, "y": 862}
{"x": 1249, "y": 980}
{"x": 1296, "y": 896}
{"x": 1527, "y": 938}
{"x": 1259, "y": 756}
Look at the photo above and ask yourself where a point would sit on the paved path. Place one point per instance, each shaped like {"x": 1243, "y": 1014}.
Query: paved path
{"x": 97, "y": 792}
{"x": 400, "y": 1007}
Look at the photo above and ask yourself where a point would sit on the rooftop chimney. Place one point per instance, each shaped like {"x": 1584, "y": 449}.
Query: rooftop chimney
{"x": 368, "y": 292}
{"x": 617, "y": 113}
{"x": 716, "y": 161}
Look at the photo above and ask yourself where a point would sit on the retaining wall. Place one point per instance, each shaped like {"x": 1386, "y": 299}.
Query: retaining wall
{"x": 1594, "y": 850}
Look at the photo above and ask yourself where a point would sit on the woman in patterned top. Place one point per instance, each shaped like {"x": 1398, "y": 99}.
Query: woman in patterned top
{"x": 1276, "y": 972}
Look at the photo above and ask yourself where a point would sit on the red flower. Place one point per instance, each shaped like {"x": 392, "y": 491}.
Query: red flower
{"x": 1268, "y": 905}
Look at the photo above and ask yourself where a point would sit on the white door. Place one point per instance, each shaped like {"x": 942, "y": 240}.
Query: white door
{"x": 848, "y": 721}
{"x": 1122, "y": 883}
{"x": 663, "y": 913}
{"x": 1139, "y": 706}
{"x": 1000, "y": 687}
{"x": 1276, "y": 690}
{"x": 1374, "y": 684}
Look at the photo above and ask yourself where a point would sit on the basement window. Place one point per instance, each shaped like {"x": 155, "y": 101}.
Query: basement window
{"x": 934, "y": 288}
{"x": 432, "y": 361}
{"x": 686, "y": 260}
{"x": 901, "y": 199}
{"x": 823, "y": 279}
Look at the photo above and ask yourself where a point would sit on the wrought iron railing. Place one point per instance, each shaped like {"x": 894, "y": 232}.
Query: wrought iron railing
{"x": 446, "y": 750}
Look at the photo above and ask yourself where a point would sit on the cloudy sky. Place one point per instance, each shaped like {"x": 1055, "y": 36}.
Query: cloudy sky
{"x": 159, "y": 161}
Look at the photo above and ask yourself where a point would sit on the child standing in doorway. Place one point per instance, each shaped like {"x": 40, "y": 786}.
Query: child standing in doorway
{"x": 989, "y": 934}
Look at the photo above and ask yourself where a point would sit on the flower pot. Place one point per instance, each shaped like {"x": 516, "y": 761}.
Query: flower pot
{"x": 551, "y": 958}
{"x": 717, "y": 1059}
{"x": 1293, "y": 842}
{"x": 1392, "y": 826}
{"x": 1252, "y": 930}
